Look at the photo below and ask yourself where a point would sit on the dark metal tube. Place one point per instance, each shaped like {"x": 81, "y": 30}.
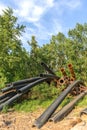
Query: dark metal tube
{"x": 13, "y": 87}
{"x": 49, "y": 75}
{"x": 20, "y": 86}
{"x": 84, "y": 111}
{"x": 10, "y": 101}
{"x": 4, "y": 99}
{"x": 18, "y": 95}
{"x": 7, "y": 89}
{"x": 29, "y": 86}
{"x": 7, "y": 97}
{"x": 50, "y": 110}
{"x": 19, "y": 83}
{"x": 25, "y": 81}
{"x": 66, "y": 109}
{"x": 47, "y": 68}
{"x": 8, "y": 85}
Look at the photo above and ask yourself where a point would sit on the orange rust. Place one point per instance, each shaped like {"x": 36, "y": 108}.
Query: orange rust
{"x": 71, "y": 70}
{"x": 69, "y": 65}
{"x": 63, "y": 72}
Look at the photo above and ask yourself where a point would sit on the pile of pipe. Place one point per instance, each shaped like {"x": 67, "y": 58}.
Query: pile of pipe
{"x": 15, "y": 90}
{"x": 50, "y": 115}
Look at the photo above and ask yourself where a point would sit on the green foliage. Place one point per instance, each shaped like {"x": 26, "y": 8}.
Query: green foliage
{"x": 27, "y": 105}
{"x": 82, "y": 102}
{"x": 16, "y": 63}
{"x": 72, "y": 49}
{"x": 41, "y": 97}
{"x": 13, "y": 57}
{"x": 66, "y": 101}
{"x": 44, "y": 92}
{"x": 2, "y": 80}
{"x": 36, "y": 58}
{"x": 5, "y": 109}
{"x": 32, "y": 105}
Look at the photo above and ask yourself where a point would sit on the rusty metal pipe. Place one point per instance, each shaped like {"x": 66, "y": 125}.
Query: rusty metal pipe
{"x": 63, "y": 72}
{"x": 61, "y": 81}
{"x": 71, "y": 70}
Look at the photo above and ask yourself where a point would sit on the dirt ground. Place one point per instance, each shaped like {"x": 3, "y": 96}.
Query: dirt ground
{"x": 23, "y": 121}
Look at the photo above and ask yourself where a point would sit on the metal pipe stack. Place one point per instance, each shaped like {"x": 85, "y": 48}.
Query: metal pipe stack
{"x": 15, "y": 90}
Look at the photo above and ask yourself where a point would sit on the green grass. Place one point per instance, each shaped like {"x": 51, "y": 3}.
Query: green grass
{"x": 82, "y": 102}
{"x": 5, "y": 109}
{"x": 43, "y": 99}
{"x": 26, "y": 105}
{"x": 32, "y": 105}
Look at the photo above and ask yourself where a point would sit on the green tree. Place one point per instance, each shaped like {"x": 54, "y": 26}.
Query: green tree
{"x": 71, "y": 49}
{"x": 12, "y": 55}
{"x": 78, "y": 43}
{"x": 35, "y": 57}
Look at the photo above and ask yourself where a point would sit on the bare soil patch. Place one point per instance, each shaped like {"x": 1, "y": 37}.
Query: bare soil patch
{"x": 24, "y": 121}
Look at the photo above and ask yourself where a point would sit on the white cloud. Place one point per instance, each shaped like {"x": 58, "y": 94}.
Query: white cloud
{"x": 57, "y": 26}
{"x": 50, "y": 3}
{"x": 32, "y": 10}
{"x": 41, "y": 32}
{"x": 71, "y": 4}
{"x": 2, "y": 7}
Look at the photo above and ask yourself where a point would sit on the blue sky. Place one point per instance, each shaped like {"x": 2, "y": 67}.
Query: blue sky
{"x": 44, "y": 18}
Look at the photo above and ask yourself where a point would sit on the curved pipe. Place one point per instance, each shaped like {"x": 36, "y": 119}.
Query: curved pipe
{"x": 66, "y": 109}
{"x": 49, "y": 75}
{"x": 29, "y": 86}
{"x": 47, "y": 68}
{"x": 13, "y": 87}
{"x": 84, "y": 111}
{"x": 25, "y": 81}
{"x": 7, "y": 97}
{"x": 7, "y": 89}
{"x": 19, "y": 83}
{"x": 11, "y": 100}
{"x": 26, "y": 89}
{"x": 50, "y": 110}
{"x": 6, "y": 94}
{"x": 8, "y": 85}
